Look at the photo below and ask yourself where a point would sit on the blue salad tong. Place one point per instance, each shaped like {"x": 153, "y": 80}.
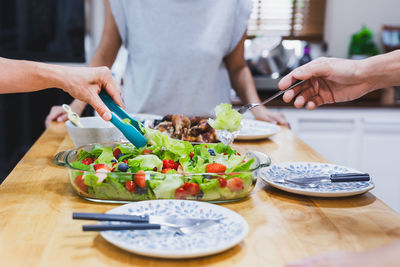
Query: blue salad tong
{"x": 132, "y": 132}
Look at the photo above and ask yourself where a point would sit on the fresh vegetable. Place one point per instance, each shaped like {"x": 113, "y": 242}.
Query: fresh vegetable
{"x": 215, "y": 167}
{"x": 130, "y": 186}
{"x": 87, "y": 161}
{"x": 222, "y": 182}
{"x": 140, "y": 179}
{"x": 81, "y": 183}
{"x": 226, "y": 118}
{"x": 170, "y": 164}
{"x": 235, "y": 184}
{"x": 191, "y": 189}
{"x": 180, "y": 193}
{"x": 160, "y": 170}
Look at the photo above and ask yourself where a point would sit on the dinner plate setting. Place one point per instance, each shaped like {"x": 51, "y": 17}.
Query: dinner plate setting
{"x": 276, "y": 174}
{"x": 231, "y": 230}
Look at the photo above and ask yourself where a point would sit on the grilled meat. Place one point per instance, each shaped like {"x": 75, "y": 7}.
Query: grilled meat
{"x": 193, "y": 129}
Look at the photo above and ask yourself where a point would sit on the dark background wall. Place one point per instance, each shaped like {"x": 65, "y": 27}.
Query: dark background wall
{"x": 40, "y": 30}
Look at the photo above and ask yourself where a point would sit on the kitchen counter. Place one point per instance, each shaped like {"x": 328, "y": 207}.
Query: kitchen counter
{"x": 37, "y": 201}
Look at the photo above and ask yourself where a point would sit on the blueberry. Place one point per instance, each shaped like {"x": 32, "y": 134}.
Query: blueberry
{"x": 113, "y": 160}
{"x": 140, "y": 191}
{"x": 211, "y": 151}
{"x": 207, "y": 177}
{"x": 200, "y": 195}
{"x": 120, "y": 155}
{"x": 123, "y": 167}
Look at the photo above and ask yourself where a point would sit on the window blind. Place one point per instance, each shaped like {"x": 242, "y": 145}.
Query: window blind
{"x": 291, "y": 19}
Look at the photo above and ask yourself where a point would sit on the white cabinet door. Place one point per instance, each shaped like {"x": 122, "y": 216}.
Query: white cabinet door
{"x": 332, "y": 138}
{"x": 380, "y": 156}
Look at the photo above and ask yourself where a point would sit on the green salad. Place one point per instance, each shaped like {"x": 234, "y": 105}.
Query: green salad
{"x": 165, "y": 168}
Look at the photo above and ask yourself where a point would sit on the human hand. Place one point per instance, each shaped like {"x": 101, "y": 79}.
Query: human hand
{"x": 331, "y": 80}
{"x": 85, "y": 84}
{"x": 263, "y": 114}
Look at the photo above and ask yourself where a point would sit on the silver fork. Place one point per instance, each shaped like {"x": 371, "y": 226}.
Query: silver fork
{"x": 147, "y": 226}
{"x": 247, "y": 107}
{"x": 187, "y": 230}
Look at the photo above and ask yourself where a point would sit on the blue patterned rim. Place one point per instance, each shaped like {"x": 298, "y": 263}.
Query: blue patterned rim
{"x": 167, "y": 244}
{"x": 276, "y": 172}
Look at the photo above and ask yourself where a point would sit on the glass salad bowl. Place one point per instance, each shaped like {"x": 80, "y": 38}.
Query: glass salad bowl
{"x": 121, "y": 173}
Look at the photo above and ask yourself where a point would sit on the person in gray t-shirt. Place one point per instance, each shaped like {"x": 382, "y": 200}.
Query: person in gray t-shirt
{"x": 183, "y": 56}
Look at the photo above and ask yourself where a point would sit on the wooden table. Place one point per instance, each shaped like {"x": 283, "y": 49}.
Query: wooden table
{"x": 36, "y": 228}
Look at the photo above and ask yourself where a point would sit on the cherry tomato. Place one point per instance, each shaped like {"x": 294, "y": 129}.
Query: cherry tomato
{"x": 116, "y": 152}
{"x": 147, "y": 151}
{"x": 180, "y": 193}
{"x": 191, "y": 189}
{"x": 215, "y": 167}
{"x": 170, "y": 164}
{"x": 222, "y": 182}
{"x": 235, "y": 184}
{"x": 87, "y": 161}
{"x": 191, "y": 154}
{"x": 130, "y": 186}
{"x": 140, "y": 179}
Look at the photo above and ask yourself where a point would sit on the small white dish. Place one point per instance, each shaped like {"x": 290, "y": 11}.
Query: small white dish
{"x": 232, "y": 229}
{"x": 94, "y": 130}
{"x": 274, "y": 175}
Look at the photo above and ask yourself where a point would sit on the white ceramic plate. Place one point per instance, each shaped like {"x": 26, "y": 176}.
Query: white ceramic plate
{"x": 254, "y": 130}
{"x": 167, "y": 244}
{"x": 276, "y": 172}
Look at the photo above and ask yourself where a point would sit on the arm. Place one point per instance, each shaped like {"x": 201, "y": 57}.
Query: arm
{"x": 242, "y": 82}
{"x": 105, "y": 55}
{"x": 333, "y": 80}
{"x": 84, "y": 83}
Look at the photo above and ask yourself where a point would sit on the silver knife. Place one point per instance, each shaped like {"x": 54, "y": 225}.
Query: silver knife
{"x": 150, "y": 219}
{"x": 333, "y": 178}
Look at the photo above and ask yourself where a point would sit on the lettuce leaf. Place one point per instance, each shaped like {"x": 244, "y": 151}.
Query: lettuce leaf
{"x": 166, "y": 189}
{"x": 145, "y": 163}
{"x": 80, "y": 166}
{"x": 166, "y": 147}
{"x": 226, "y": 118}
{"x": 96, "y": 150}
{"x": 106, "y": 156}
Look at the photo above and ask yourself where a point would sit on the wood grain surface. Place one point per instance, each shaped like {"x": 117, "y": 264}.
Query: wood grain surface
{"x": 37, "y": 201}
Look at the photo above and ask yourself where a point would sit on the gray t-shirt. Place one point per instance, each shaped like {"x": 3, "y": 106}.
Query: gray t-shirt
{"x": 176, "y": 50}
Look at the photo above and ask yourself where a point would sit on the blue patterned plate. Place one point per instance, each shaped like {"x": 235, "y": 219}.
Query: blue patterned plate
{"x": 167, "y": 244}
{"x": 277, "y": 172}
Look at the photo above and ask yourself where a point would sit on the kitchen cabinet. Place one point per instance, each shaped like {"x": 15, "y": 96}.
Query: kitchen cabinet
{"x": 367, "y": 139}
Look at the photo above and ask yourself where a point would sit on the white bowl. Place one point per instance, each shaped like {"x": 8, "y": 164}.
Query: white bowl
{"x": 95, "y": 130}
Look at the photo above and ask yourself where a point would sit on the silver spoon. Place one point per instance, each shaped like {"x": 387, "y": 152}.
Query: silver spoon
{"x": 247, "y": 107}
